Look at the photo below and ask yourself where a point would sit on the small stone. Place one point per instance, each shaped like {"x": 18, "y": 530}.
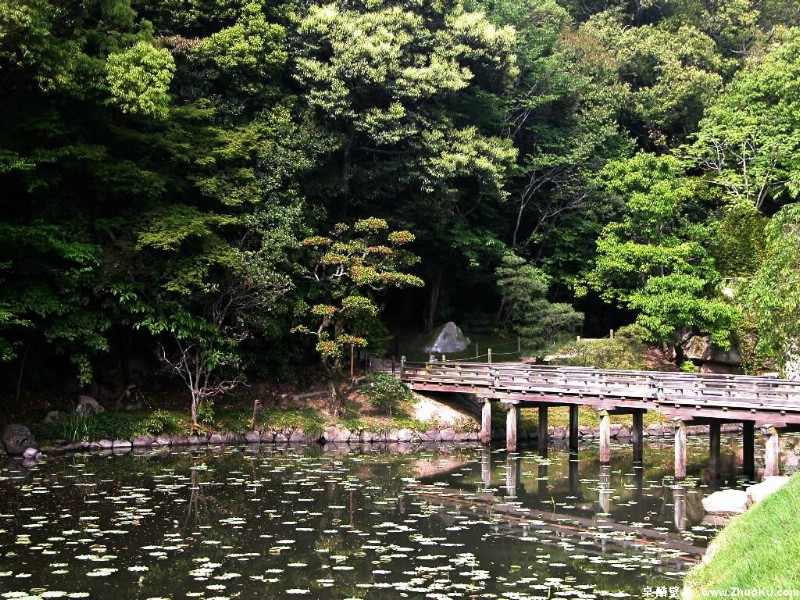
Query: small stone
{"x": 252, "y": 437}
{"x": 163, "y": 440}
{"x": 29, "y": 453}
{"x": 123, "y": 444}
{"x": 105, "y": 444}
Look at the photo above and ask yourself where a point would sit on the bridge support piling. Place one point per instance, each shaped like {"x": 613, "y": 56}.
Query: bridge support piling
{"x": 543, "y": 430}
{"x": 772, "y": 456}
{"x": 605, "y": 437}
{"x": 486, "y": 422}
{"x": 637, "y": 436}
{"x": 573, "y": 427}
{"x": 748, "y": 450}
{"x": 680, "y": 450}
{"x": 713, "y": 454}
{"x": 512, "y": 419}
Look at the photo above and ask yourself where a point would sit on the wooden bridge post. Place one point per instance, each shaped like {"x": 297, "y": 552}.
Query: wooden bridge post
{"x": 772, "y": 456}
{"x": 748, "y": 450}
{"x": 573, "y": 427}
{"x": 512, "y": 418}
{"x": 637, "y": 436}
{"x": 486, "y": 422}
{"x": 402, "y": 366}
{"x": 543, "y": 435}
{"x": 680, "y": 449}
{"x": 605, "y": 437}
{"x": 713, "y": 453}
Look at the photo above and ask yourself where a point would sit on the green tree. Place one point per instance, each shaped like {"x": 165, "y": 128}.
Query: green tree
{"x": 771, "y": 299}
{"x": 526, "y": 311}
{"x": 409, "y": 97}
{"x": 654, "y": 260}
{"x": 347, "y": 269}
{"x": 749, "y": 140}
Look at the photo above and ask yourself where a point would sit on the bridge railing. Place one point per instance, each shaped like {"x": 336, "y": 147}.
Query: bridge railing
{"x": 705, "y": 388}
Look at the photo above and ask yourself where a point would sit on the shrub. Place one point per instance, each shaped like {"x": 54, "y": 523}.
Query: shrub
{"x": 384, "y": 391}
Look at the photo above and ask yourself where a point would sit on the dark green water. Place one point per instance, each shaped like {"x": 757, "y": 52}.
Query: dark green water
{"x": 301, "y": 522}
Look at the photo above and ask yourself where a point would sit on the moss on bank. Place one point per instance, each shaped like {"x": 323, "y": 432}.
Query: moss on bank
{"x": 759, "y": 550}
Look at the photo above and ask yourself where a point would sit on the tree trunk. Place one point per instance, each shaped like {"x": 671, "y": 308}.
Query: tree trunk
{"x": 433, "y": 301}
{"x": 22, "y": 363}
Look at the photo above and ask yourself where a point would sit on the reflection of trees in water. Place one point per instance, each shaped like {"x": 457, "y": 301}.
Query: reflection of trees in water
{"x": 197, "y": 508}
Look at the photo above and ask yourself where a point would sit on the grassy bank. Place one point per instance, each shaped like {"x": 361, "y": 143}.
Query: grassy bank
{"x": 759, "y": 550}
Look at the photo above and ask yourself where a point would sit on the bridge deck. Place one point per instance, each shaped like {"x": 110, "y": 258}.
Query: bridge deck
{"x": 688, "y": 396}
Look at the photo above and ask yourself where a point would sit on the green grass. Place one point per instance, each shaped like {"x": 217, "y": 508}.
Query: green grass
{"x": 758, "y": 550}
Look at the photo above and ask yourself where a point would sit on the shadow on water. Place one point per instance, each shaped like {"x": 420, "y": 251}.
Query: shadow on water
{"x": 352, "y": 522}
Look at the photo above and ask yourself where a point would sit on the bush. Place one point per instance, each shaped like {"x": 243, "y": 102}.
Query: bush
{"x": 624, "y": 351}
{"x": 385, "y": 391}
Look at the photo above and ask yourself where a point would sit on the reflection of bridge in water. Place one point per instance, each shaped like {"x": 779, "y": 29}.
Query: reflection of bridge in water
{"x": 687, "y": 399}
{"x": 587, "y": 526}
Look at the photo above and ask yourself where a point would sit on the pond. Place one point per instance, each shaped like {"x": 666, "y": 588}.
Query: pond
{"x": 353, "y": 522}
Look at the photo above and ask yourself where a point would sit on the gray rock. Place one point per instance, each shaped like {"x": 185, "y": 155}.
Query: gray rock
{"x": 252, "y": 437}
{"x": 30, "y": 453}
{"x": 163, "y": 439}
{"x": 405, "y": 435}
{"x": 105, "y": 444}
{"x": 336, "y": 435}
{"x": 770, "y": 485}
{"x": 16, "y": 438}
{"x": 143, "y": 441}
{"x": 54, "y": 416}
{"x": 444, "y": 339}
{"x": 447, "y": 435}
{"x": 88, "y": 406}
{"x": 122, "y": 444}
{"x": 281, "y": 438}
{"x": 298, "y": 436}
{"x": 726, "y": 502}
{"x": 267, "y": 436}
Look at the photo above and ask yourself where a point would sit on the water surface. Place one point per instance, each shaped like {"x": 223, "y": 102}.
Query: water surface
{"x": 361, "y": 522}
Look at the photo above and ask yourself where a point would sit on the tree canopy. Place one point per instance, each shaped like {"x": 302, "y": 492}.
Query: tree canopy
{"x": 166, "y": 166}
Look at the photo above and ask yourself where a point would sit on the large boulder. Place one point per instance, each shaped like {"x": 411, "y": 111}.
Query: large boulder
{"x": 728, "y": 502}
{"x": 17, "y": 438}
{"x": 88, "y": 406}
{"x": 445, "y": 339}
{"x": 700, "y": 349}
{"x": 759, "y": 491}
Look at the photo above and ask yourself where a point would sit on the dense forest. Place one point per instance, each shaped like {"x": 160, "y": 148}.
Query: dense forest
{"x": 238, "y": 188}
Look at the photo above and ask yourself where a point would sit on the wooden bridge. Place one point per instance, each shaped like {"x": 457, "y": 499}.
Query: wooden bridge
{"x": 686, "y": 398}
